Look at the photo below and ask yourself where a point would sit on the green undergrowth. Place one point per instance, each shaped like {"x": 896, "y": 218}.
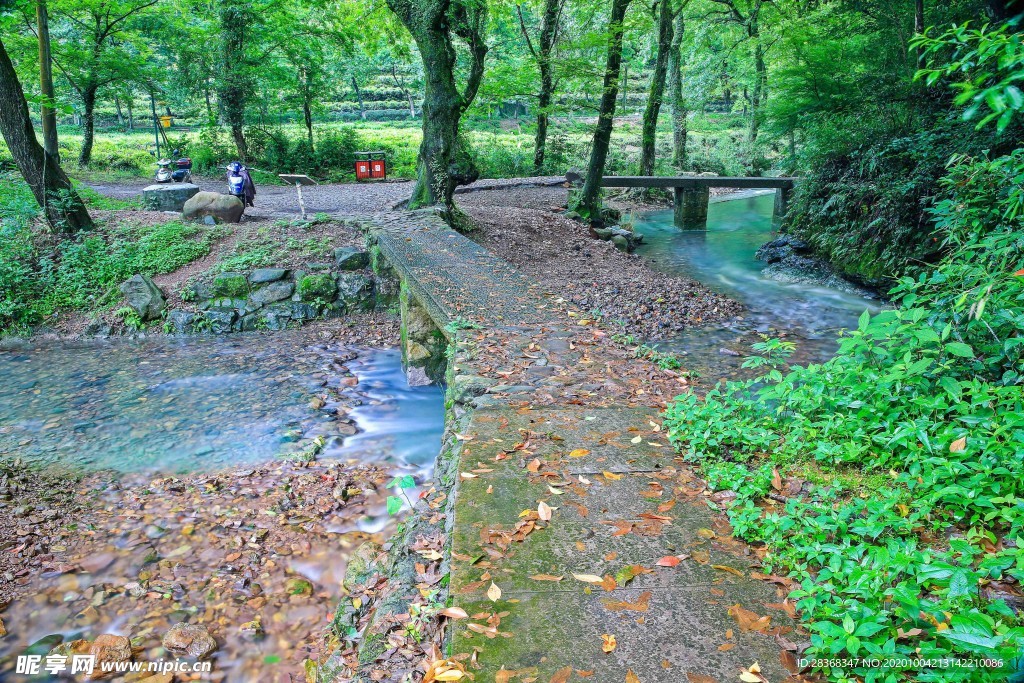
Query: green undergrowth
{"x": 43, "y": 274}
{"x": 910, "y": 442}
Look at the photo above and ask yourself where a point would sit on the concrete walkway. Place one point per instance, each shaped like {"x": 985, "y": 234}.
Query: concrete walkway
{"x": 581, "y": 546}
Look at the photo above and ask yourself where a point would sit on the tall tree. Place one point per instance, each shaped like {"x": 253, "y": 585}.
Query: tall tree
{"x": 233, "y": 82}
{"x": 48, "y": 115}
{"x": 444, "y": 160}
{"x": 589, "y": 204}
{"x": 666, "y": 15}
{"x": 676, "y": 98}
{"x": 52, "y": 189}
{"x": 542, "y": 55}
{"x": 96, "y": 49}
{"x": 747, "y": 13}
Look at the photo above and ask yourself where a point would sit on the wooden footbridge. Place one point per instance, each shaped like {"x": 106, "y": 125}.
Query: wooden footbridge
{"x": 692, "y": 193}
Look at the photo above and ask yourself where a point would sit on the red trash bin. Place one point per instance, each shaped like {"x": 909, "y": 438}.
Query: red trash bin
{"x": 371, "y": 165}
{"x": 362, "y": 169}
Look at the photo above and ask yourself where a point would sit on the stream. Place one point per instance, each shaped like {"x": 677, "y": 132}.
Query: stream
{"x": 722, "y": 258}
{"x": 186, "y": 404}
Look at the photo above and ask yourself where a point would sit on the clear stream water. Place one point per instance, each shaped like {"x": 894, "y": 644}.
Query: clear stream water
{"x": 182, "y": 404}
{"x": 177, "y": 405}
{"x": 722, "y": 257}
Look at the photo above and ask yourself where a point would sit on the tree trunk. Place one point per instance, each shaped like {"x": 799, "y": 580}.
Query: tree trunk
{"x": 52, "y": 189}
{"x": 307, "y": 106}
{"x": 412, "y": 104}
{"x": 131, "y": 113}
{"x": 675, "y": 96}
{"x": 589, "y": 202}
{"x": 117, "y": 108}
{"x": 760, "y": 78}
{"x": 88, "y": 123}
{"x": 648, "y": 137}
{"x": 444, "y": 161}
{"x": 548, "y": 33}
{"x": 48, "y": 115}
{"x": 359, "y": 96}
{"x": 234, "y": 20}
{"x": 919, "y": 28}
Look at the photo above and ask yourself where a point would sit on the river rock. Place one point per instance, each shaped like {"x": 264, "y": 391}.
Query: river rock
{"x": 168, "y": 197}
{"x": 355, "y": 290}
{"x": 350, "y": 258}
{"x": 230, "y": 284}
{"x": 181, "y": 321}
{"x": 781, "y": 247}
{"x": 144, "y": 297}
{"x": 223, "y": 208}
{"x": 191, "y": 640}
{"x": 220, "y": 320}
{"x": 110, "y": 648}
{"x": 264, "y": 275}
{"x": 275, "y": 291}
{"x": 277, "y": 316}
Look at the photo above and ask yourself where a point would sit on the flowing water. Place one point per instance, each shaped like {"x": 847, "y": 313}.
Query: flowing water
{"x": 722, "y": 258}
{"x": 200, "y": 404}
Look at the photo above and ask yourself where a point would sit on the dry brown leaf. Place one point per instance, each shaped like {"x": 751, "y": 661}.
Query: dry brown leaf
{"x": 700, "y": 678}
{"x": 545, "y": 577}
{"x": 579, "y": 453}
{"x": 958, "y": 446}
{"x": 726, "y": 568}
{"x": 588, "y": 578}
{"x": 642, "y": 604}
{"x": 725, "y": 647}
{"x": 494, "y": 593}
{"x": 562, "y": 675}
{"x": 611, "y": 475}
{"x": 632, "y": 677}
{"x": 776, "y": 480}
{"x": 749, "y": 621}
{"x": 668, "y": 561}
{"x": 608, "y": 644}
{"x": 454, "y": 613}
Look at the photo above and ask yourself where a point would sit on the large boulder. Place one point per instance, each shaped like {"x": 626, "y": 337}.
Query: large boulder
{"x": 168, "y": 197}
{"x": 275, "y": 291}
{"x": 223, "y": 208}
{"x": 144, "y": 297}
{"x": 355, "y": 291}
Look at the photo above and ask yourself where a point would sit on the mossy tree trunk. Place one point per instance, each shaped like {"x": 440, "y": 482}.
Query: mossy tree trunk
{"x": 444, "y": 159}
{"x": 52, "y": 189}
{"x": 648, "y": 137}
{"x": 47, "y": 113}
{"x": 88, "y": 123}
{"x": 589, "y": 204}
{"x": 675, "y": 92}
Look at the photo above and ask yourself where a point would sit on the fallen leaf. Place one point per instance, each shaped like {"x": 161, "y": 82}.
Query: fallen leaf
{"x": 494, "y": 593}
{"x": 588, "y": 578}
{"x": 544, "y": 511}
{"x": 726, "y": 568}
{"x": 545, "y": 577}
{"x": 611, "y": 475}
{"x": 958, "y": 446}
{"x": 609, "y": 643}
{"x": 562, "y": 675}
{"x": 631, "y": 677}
{"x": 706, "y": 533}
{"x": 579, "y": 453}
{"x": 454, "y": 613}
{"x": 668, "y": 561}
{"x": 749, "y": 621}
{"x": 700, "y": 678}
{"x": 776, "y": 480}
{"x": 642, "y": 604}
{"x": 725, "y": 647}
{"x": 636, "y": 439}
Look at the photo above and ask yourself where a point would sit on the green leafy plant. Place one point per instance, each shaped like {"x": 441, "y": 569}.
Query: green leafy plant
{"x": 401, "y": 484}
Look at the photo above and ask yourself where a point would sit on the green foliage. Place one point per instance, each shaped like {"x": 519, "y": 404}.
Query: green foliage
{"x": 39, "y": 279}
{"x": 396, "y": 503}
{"x": 929, "y": 394}
{"x": 994, "y": 58}
{"x": 231, "y": 285}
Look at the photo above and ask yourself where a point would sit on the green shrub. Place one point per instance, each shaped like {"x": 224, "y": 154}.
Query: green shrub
{"x": 924, "y": 401}
{"x": 231, "y": 285}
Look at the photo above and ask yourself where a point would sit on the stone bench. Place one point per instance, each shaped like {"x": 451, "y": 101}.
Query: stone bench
{"x": 167, "y": 196}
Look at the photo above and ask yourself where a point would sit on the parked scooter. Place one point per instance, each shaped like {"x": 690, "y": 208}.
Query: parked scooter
{"x": 240, "y": 183}
{"x": 183, "y": 172}
{"x": 163, "y": 171}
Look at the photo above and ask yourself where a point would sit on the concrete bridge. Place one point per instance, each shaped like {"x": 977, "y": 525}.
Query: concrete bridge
{"x": 692, "y": 193}
{"x": 568, "y": 517}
